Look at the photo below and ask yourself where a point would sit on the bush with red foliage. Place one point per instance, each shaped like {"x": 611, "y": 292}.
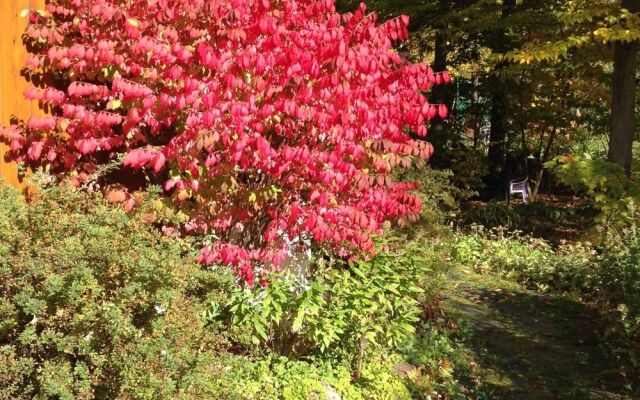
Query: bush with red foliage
{"x": 266, "y": 120}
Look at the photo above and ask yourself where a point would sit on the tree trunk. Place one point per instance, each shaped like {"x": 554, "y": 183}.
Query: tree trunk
{"x": 498, "y": 133}
{"x": 475, "y": 99}
{"x": 544, "y": 157}
{"x": 439, "y": 94}
{"x": 624, "y": 98}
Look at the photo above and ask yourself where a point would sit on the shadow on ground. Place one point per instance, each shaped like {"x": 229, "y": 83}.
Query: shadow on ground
{"x": 530, "y": 345}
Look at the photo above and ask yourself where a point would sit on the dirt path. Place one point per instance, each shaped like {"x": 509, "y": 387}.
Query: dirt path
{"x": 529, "y": 345}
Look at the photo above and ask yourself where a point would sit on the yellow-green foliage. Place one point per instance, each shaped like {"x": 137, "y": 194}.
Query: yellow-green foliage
{"x": 96, "y": 303}
{"x": 613, "y": 193}
{"x": 583, "y": 23}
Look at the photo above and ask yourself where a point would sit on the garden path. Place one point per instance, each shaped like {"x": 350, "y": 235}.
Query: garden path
{"x": 530, "y": 345}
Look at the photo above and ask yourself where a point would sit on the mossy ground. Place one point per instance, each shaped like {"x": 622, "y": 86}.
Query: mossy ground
{"x": 530, "y": 345}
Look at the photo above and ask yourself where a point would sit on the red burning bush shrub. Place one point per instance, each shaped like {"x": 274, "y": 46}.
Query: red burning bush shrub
{"x": 266, "y": 120}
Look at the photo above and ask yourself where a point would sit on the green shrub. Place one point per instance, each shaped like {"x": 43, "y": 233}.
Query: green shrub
{"x": 94, "y": 303}
{"x": 440, "y": 197}
{"x": 469, "y": 166}
{"x": 611, "y": 191}
{"x": 618, "y": 283}
{"x": 538, "y": 219}
{"x": 280, "y": 378}
{"x": 97, "y": 303}
{"x": 342, "y": 306}
{"x": 530, "y": 261}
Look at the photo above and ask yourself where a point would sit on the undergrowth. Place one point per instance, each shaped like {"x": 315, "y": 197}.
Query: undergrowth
{"x": 607, "y": 275}
{"x": 99, "y": 303}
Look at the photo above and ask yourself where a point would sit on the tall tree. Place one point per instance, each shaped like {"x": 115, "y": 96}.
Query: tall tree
{"x": 499, "y": 125}
{"x": 625, "y": 63}
{"x": 587, "y": 25}
{"x": 441, "y": 95}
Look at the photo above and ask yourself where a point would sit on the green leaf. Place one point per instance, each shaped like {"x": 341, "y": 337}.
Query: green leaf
{"x": 297, "y": 322}
{"x": 260, "y": 329}
{"x": 358, "y": 272}
{"x": 114, "y": 104}
{"x": 415, "y": 289}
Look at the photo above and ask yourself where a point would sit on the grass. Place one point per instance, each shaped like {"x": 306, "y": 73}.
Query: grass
{"x": 530, "y": 345}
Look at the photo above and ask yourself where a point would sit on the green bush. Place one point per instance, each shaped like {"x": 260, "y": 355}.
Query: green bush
{"x": 618, "y": 281}
{"x": 537, "y": 219}
{"x": 339, "y": 306}
{"x": 440, "y": 197}
{"x": 280, "y": 378}
{"x": 611, "y": 191}
{"x": 94, "y": 303}
{"x": 469, "y": 166}
{"x": 530, "y": 261}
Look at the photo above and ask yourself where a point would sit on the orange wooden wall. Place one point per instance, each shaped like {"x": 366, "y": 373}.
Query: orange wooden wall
{"x": 11, "y": 83}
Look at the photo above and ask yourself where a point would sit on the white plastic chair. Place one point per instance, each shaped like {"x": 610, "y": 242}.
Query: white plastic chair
{"x": 517, "y": 187}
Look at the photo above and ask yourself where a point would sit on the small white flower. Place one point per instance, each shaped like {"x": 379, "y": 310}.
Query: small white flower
{"x": 160, "y": 310}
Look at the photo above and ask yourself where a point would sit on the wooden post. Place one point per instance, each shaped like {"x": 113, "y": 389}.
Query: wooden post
{"x": 12, "y": 85}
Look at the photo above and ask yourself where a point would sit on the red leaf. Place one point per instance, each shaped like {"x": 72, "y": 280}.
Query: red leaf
{"x": 443, "y": 112}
